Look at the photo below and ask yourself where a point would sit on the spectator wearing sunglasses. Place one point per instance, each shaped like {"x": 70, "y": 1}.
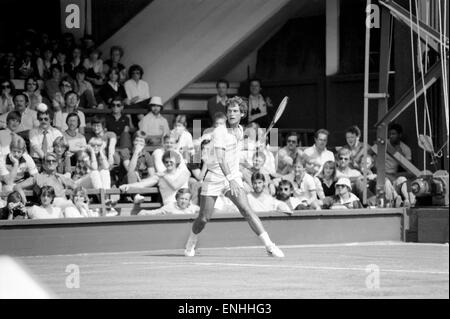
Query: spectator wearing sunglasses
{"x": 119, "y": 123}
{"x": 42, "y": 138}
{"x": 343, "y": 168}
{"x": 66, "y": 85}
{"x": 287, "y": 155}
{"x": 49, "y": 177}
{"x": 33, "y": 93}
{"x": 6, "y": 98}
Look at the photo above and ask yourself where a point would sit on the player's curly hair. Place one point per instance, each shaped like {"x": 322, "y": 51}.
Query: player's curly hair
{"x": 241, "y": 102}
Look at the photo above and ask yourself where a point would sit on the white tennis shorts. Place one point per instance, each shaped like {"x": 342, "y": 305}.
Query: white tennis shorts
{"x": 215, "y": 186}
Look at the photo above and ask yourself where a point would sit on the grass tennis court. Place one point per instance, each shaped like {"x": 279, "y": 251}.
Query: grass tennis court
{"x": 406, "y": 270}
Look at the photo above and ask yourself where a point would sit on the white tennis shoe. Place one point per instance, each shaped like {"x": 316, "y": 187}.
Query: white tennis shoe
{"x": 274, "y": 251}
{"x": 190, "y": 247}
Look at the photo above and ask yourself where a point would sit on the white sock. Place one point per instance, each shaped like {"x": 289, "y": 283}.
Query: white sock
{"x": 192, "y": 237}
{"x": 265, "y": 239}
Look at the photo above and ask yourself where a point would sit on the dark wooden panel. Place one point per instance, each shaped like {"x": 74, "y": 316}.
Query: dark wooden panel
{"x": 115, "y": 234}
{"x": 432, "y": 224}
{"x": 108, "y": 16}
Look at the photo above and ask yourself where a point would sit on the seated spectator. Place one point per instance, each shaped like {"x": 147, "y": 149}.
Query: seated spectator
{"x": 25, "y": 67}
{"x": 42, "y": 138}
{"x": 61, "y": 61}
{"x": 44, "y": 63}
{"x": 109, "y": 140}
{"x": 137, "y": 89}
{"x": 328, "y": 178}
{"x": 49, "y": 177}
{"x": 169, "y": 145}
{"x": 312, "y": 169}
{"x": 285, "y": 194}
{"x": 28, "y": 116}
{"x": 33, "y": 93}
{"x": 182, "y": 206}
{"x": 10, "y": 132}
{"x": 51, "y": 86}
{"x": 260, "y": 201}
{"x": 392, "y": 167}
{"x": 185, "y": 144}
{"x": 66, "y": 85}
{"x": 218, "y": 102}
{"x": 75, "y": 61}
{"x": 318, "y": 152}
{"x": 259, "y": 160}
{"x": 80, "y": 206}
{"x": 113, "y": 88}
{"x": 102, "y": 165}
{"x": 154, "y": 124}
{"x": 14, "y": 209}
{"x": 86, "y": 173}
{"x": 17, "y": 166}
{"x": 74, "y": 138}
{"x": 253, "y": 143}
{"x": 94, "y": 66}
{"x": 8, "y": 66}
{"x": 343, "y": 168}
{"x": 119, "y": 123}
{"x": 352, "y": 136}
{"x": 286, "y": 156}
{"x": 140, "y": 165}
{"x": 72, "y": 101}
{"x": 116, "y": 54}
{"x": 259, "y": 108}
{"x": 84, "y": 89}
{"x": 6, "y": 98}
{"x": 344, "y": 198}
{"x": 169, "y": 181}
{"x": 61, "y": 150}
{"x": 304, "y": 185}
{"x": 46, "y": 210}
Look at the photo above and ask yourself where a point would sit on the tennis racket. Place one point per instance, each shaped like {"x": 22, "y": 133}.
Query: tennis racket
{"x": 277, "y": 116}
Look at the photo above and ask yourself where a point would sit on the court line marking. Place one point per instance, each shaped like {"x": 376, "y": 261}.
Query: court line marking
{"x": 321, "y": 268}
{"x": 354, "y": 244}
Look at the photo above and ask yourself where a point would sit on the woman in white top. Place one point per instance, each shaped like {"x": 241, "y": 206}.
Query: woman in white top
{"x": 80, "y": 201}
{"x": 94, "y": 66}
{"x": 137, "y": 89}
{"x": 169, "y": 181}
{"x": 46, "y": 210}
{"x": 185, "y": 144}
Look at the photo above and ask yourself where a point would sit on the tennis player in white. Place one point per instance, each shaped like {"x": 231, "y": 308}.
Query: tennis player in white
{"x": 223, "y": 177}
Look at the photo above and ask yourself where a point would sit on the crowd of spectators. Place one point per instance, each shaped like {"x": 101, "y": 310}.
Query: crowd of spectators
{"x": 49, "y": 145}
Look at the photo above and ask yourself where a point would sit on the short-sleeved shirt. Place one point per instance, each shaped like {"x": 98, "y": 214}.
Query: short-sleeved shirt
{"x": 303, "y": 190}
{"x": 58, "y": 182}
{"x": 27, "y": 122}
{"x": 349, "y": 173}
{"x": 167, "y": 192}
{"x": 144, "y": 162}
{"x": 392, "y": 164}
{"x": 38, "y": 212}
{"x": 266, "y": 203}
{"x": 60, "y": 120}
{"x": 26, "y": 168}
{"x": 319, "y": 158}
{"x": 117, "y": 126}
{"x": 6, "y": 136}
{"x": 154, "y": 125}
{"x": 76, "y": 142}
{"x": 37, "y": 136}
{"x": 224, "y": 140}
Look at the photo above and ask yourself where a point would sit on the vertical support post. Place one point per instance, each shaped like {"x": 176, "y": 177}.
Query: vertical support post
{"x": 366, "y": 100}
{"x": 385, "y": 59}
{"x": 102, "y": 202}
{"x": 332, "y": 36}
